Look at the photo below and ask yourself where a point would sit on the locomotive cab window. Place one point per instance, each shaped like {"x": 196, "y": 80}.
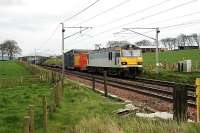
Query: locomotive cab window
{"x": 110, "y": 56}
{"x": 131, "y": 53}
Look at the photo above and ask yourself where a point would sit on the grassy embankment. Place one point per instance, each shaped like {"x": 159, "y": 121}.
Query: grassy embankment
{"x": 170, "y": 58}
{"x": 18, "y": 88}
{"x": 81, "y": 110}
{"x": 54, "y": 61}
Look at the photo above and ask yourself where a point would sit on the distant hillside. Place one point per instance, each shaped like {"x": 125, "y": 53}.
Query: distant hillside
{"x": 174, "y": 56}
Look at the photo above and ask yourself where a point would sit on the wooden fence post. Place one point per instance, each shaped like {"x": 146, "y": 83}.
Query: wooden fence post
{"x": 32, "y": 120}
{"x": 52, "y": 104}
{"x": 26, "y": 124}
{"x": 47, "y": 76}
{"x": 180, "y": 103}
{"x": 198, "y": 98}
{"x": 105, "y": 83}
{"x": 56, "y": 94}
{"x": 61, "y": 88}
{"x": 93, "y": 82}
{"x": 52, "y": 77}
{"x": 62, "y": 80}
{"x": 45, "y": 113}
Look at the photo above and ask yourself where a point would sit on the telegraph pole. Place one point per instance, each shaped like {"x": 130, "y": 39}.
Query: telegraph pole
{"x": 63, "y": 38}
{"x": 157, "y": 45}
{"x": 63, "y": 53}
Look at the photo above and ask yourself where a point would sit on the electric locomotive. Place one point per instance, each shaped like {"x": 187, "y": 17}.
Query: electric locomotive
{"x": 116, "y": 61}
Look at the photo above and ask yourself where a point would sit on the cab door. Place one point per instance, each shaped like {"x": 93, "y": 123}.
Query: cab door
{"x": 117, "y": 56}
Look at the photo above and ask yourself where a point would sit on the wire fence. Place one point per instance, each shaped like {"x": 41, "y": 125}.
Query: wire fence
{"x": 37, "y": 115}
{"x": 170, "y": 67}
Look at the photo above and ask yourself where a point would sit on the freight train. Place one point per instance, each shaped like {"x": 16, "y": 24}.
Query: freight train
{"x": 116, "y": 61}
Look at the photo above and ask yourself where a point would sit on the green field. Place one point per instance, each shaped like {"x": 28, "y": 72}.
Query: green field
{"x": 12, "y": 69}
{"x": 55, "y": 61}
{"x": 15, "y": 96}
{"x": 81, "y": 109}
{"x": 172, "y": 57}
{"x": 169, "y": 59}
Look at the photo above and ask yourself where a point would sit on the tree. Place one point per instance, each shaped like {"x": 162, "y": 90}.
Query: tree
{"x": 11, "y": 48}
{"x": 196, "y": 38}
{"x": 164, "y": 42}
{"x": 143, "y": 43}
{"x": 181, "y": 40}
{"x": 2, "y": 50}
{"x": 173, "y": 42}
{"x": 169, "y": 42}
{"x": 117, "y": 43}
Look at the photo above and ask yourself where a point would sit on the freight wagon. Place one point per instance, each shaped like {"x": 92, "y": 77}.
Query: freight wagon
{"x": 76, "y": 59}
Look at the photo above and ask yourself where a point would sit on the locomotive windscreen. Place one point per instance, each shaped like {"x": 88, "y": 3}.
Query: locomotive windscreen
{"x": 131, "y": 53}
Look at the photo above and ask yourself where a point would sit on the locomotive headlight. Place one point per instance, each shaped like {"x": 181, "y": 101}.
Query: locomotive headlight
{"x": 124, "y": 63}
{"x": 139, "y": 63}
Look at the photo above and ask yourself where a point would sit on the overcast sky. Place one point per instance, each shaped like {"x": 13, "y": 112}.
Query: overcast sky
{"x": 32, "y": 22}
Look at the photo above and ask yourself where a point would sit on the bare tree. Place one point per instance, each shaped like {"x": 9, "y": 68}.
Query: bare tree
{"x": 11, "y": 48}
{"x": 196, "y": 38}
{"x": 143, "y": 43}
{"x": 2, "y": 50}
{"x": 117, "y": 43}
{"x": 164, "y": 42}
{"x": 181, "y": 39}
{"x": 173, "y": 42}
{"x": 190, "y": 40}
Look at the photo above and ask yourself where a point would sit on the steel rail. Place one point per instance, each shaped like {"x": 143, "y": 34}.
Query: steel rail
{"x": 148, "y": 90}
{"x": 166, "y": 83}
{"x": 164, "y": 95}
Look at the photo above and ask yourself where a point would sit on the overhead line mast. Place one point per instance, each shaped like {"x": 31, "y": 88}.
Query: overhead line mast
{"x": 155, "y": 39}
{"x": 63, "y": 42}
{"x": 63, "y": 53}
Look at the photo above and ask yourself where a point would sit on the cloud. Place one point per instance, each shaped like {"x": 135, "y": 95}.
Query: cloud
{"x": 10, "y": 2}
{"x": 27, "y": 22}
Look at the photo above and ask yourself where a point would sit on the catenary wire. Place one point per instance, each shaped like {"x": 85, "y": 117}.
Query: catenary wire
{"x": 134, "y": 13}
{"x": 105, "y": 11}
{"x": 148, "y": 16}
{"x": 83, "y": 10}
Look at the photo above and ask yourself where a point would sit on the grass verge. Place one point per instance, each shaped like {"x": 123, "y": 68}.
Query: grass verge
{"x": 81, "y": 111}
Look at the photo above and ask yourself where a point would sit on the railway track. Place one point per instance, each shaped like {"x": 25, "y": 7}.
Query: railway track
{"x": 153, "y": 88}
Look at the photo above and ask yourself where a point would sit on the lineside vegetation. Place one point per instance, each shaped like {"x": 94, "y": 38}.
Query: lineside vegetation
{"x": 168, "y": 69}
{"x": 81, "y": 110}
